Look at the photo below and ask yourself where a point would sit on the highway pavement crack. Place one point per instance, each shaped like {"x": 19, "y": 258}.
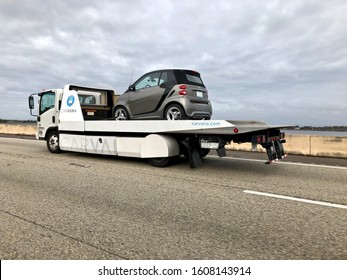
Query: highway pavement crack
{"x": 64, "y": 235}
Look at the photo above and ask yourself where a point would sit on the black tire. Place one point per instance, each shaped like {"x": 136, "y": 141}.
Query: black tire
{"x": 203, "y": 152}
{"x": 175, "y": 112}
{"x": 52, "y": 141}
{"x": 159, "y": 162}
{"x": 121, "y": 114}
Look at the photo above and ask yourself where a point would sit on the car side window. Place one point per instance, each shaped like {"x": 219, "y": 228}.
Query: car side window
{"x": 163, "y": 78}
{"x": 150, "y": 80}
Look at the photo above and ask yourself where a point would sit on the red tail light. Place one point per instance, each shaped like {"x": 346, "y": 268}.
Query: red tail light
{"x": 183, "y": 90}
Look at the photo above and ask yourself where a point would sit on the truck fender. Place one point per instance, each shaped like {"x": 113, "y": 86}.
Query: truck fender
{"x": 159, "y": 146}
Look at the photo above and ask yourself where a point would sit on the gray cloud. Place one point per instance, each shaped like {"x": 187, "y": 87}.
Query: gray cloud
{"x": 278, "y": 61}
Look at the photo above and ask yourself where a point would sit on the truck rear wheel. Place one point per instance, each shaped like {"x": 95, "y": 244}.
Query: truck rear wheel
{"x": 203, "y": 152}
{"x": 53, "y": 142}
{"x": 159, "y": 162}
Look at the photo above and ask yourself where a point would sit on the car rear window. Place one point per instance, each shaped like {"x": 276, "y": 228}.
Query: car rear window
{"x": 189, "y": 77}
{"x": 194, "y": 79}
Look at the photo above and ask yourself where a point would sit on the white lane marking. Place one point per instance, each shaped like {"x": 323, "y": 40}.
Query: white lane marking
{"x": 313, "y": 165}
{"x": 286, "y": 162}
{"x": 322, "y": 203}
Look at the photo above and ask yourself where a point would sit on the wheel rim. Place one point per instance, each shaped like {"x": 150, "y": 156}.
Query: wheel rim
{"x": 120, "y": 114}
{"x": 54, "y": 142}
{"x": 173, "y": 114}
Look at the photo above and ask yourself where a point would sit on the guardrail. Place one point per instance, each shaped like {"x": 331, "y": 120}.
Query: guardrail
{"x": 308, "y": 145}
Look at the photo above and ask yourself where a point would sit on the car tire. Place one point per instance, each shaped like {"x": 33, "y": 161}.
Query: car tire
{"x": 52, "y": 141}
{"x": 175, "y": 112}
{"x": 121, "y": 114}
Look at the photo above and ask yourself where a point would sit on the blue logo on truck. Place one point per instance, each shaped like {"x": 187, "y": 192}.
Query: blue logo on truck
{"x": 70, "y": 100}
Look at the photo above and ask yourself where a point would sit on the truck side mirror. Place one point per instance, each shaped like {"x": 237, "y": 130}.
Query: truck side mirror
{"x": 31, "y": 102}
{"x": 131, "y": 88}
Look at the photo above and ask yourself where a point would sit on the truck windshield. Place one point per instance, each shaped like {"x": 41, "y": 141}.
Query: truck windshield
{"x": 47, "y": 101}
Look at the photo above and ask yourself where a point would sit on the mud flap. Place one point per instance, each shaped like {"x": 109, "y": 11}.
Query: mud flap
{"x": 279, "y": 149}
{"x": 274, "y": 150}
{"x": 221, "y": 152}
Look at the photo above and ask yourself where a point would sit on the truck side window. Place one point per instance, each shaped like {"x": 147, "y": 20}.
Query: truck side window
{"x": 47, "y": 102}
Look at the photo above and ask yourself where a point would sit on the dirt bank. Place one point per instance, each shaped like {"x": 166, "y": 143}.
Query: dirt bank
{"x": 18, "y": 129}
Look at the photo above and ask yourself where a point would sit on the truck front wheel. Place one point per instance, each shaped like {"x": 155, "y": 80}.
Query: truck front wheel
{"x": 53, "y": 142}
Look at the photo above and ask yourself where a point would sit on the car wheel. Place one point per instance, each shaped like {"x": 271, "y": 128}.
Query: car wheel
{"x": 121, "y": 114}
{"x": 175, "y": 112}
{"x": 53, "y": 142}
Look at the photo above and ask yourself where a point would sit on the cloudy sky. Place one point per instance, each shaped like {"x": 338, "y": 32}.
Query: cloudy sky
{"x": 284, "y": 62}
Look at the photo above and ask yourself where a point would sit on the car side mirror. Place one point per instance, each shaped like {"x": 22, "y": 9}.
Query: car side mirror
{"x": 131, "y": 88}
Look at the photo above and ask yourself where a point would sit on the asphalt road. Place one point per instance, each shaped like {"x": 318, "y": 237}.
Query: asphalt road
{"x": 78, "y": 206}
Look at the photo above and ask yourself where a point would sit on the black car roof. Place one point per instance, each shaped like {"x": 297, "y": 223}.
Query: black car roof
{"x": 174, "y": 69}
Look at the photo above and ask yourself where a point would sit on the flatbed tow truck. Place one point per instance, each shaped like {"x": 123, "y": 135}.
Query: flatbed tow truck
{"x": 79, "y": 119}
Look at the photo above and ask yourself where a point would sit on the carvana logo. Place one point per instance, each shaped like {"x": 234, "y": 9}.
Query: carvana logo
{"x": 70, "y": 100}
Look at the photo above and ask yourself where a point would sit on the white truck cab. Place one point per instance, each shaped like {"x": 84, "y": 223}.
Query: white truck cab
{"x": 48, "y": 111}
{"x": 50, "y": 104}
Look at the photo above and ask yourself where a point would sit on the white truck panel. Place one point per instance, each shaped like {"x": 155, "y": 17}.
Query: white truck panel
{"x": 101, "y": 145}
{"x": 73, "y": 143}
{"x": 71, "y": 126}
{"x": 158, "y": 146}
{"x": 129, "y": 146}
{"x": 71, "y": 108}
{"x": 158, "y": 126}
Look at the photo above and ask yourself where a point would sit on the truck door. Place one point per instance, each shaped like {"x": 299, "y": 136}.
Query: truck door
{"x": 47, "y": 112}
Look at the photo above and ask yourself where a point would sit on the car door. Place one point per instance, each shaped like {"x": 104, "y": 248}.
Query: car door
{"x": 147, "y": 93}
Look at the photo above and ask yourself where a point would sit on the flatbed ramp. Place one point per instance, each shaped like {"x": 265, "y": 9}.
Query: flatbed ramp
{"x": 161, "y": 140}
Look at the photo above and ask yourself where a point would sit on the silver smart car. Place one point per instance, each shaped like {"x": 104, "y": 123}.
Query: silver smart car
{"x": 171, "y": 94}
